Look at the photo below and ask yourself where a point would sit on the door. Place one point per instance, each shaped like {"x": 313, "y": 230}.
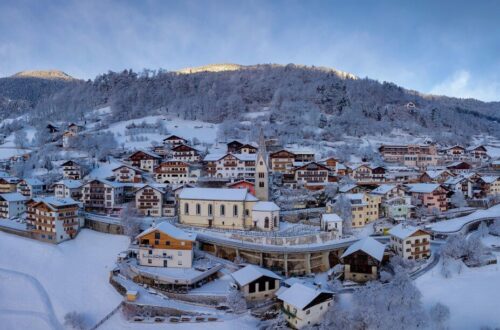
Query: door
{"x": 210, "y": 223}
{"x": 165, "y": 263}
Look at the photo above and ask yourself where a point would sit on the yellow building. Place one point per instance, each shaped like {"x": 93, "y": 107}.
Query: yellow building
{"x": 365, "y": 208}
{"x": 217, "y": 207}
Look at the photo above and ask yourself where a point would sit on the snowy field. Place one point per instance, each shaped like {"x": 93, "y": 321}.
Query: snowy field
{"x": 41, "y": 282}
{"x": 473, "y": 296}
{"x": 188, "y": 129}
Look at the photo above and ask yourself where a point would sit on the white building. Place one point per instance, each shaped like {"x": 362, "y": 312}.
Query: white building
{"x": 304, "y": 306}
{"x": 166, "y": 246}
{"x": 256, "y": 283}
{"x": 68, "y": 189}
{"x": 331, "y": 222}
{"x": 266, "y": 216}
{"x": 410, "y": 242}
{"x": 30, "y": 187}
{"x": 150, "y": 200}
{"x": 125, "y": 173}
{"x": 12, "y": 205}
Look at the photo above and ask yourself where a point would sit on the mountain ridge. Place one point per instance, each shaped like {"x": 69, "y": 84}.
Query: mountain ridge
{"x": 52, "y": 74}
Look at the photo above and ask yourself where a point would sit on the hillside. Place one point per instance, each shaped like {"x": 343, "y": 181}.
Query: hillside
{"x": 294, "y": 103}
{"x": 20, "y": 93}
{"x": 44, "y": 74}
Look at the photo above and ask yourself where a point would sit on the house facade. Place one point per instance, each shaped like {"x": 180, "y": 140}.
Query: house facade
{"x": 256, "y": 283}
{"x": 410, "y": 242}
{"x": 185, "y": 153}
{"x": 174, "y": 172}
{"x": 30, "y": 187}
{"x": 150, "y": 201}
{"x": 304, "y": 306}
{"x": 12, "y": 205}
{"x": 216, "y": 207}
{"x": 420, "y": 156}
{"x": 144, "y": 160}
{"x": 102, "y": 195}
{"x": 68, "y": 189}
{"x": 362, "y": 260}
{"x": 126, "y": 173}
{"x": 165, "y": 246}
{"x": 72, "y": 170}
{"x": 53, "y": 219}
{"x": 431, "y": 196}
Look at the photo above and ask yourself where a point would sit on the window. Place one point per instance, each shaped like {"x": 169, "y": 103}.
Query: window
{"x": 157, "y": 235}
{"x": 150, "y": 251}
{"x": 276, "y": 222}
{"x": 210, "y": 210}
{"x": 179, "y": 253}
{"x": 266, "y": 222}
{"x": 261, "y": 175}
{"x": 150, "y": 261}
{"x": 198, "y": 209}
{"x": 186, "y": 208}
{"x": 235, "y": 210}
{"x": 261, "y": 184}
{"x": 222, "y": 210}
{"x": 247, "y": 212}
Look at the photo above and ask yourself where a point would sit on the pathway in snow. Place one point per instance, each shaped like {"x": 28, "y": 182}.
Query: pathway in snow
{"x": 50, "y": 316}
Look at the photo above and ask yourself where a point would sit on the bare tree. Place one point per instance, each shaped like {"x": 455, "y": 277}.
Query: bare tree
{"x": 130, "y": 221}
{"x": 75, "y": 321}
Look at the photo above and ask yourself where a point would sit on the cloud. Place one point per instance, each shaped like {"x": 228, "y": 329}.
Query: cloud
{"x": 462, "y": 84}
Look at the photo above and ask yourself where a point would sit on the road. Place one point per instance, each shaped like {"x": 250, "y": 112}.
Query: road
{"x": 49, "y": 316}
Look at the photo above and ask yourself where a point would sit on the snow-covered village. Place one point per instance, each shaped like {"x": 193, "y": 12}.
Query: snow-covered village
{"x": 237, "y": 196}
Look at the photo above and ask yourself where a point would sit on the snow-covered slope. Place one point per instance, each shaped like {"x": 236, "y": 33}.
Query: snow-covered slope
{"x": 71, "y": 276}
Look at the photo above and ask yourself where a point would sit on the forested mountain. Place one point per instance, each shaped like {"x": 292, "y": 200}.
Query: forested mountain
{"x": 292, "y": 102}
{"x": 21, "y": 92}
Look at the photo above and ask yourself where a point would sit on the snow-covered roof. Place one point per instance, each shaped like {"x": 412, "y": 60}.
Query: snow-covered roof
{"x": 33, "y": 182}
{"x": 265, "y": 206}
{"x": 435, "y": 174}
{"x": 489, "y": 179}
{"x": 368, "y": 245}
{"x": 299, "y": 295}
{"x": 13, "y": 197}
{"x": 127, "y": 166}
{"x": 149, "y": 153}
{"x": 213, "y": 157}
{"x": 422, "y": 187}
{"x": 403, "y": 231}
{"x": 331, "y": 217}
{"x": 170, "y": 230}
{"x": 246, "y": 157}
{"x": 251, "y": 273}
{"x": 71, "y": 184}
{"x": 347, "y": 187}
{"x": 220, "y": 194}
{"x": 455, "y": 179}
{"x": 10, "y": 179}
{"x": 352, "y": 197}
{"x": 56, "y": 202}
{"x": 383, "y": 189}
{"x": 108, "y": 183}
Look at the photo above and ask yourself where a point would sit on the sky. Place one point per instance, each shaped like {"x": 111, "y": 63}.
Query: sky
{"x": 439, "y": 47}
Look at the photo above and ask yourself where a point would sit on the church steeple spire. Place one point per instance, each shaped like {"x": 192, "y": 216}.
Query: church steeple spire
{"x": 262, "y": 171}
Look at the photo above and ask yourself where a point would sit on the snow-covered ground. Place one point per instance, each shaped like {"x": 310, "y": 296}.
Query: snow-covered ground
{"x": 188, "y": 129}
{"x": 473, "y": 296}
{"x": 245, "y": 322}
{"x": 41, "y": 282}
